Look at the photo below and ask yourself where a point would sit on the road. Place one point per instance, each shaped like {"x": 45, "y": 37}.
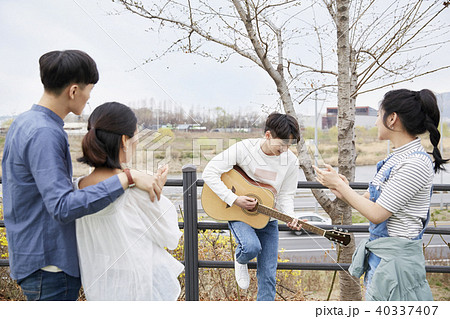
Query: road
{"x": 303, "y": 200}
{"x": 313, "y": 248}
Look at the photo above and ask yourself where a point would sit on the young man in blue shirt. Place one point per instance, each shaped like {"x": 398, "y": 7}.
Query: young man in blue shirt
{"x": 40, "y": 205}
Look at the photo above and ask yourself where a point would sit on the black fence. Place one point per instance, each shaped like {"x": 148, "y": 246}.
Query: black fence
{"x": 191, "y": 226}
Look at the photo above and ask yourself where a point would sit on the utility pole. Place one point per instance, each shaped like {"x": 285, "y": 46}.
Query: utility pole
{"x": 316, "y": 149}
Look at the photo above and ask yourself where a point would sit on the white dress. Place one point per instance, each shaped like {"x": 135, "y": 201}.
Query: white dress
{"x": 121, "y": 249}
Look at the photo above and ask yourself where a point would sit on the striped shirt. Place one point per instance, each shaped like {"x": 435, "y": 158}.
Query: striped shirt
{"x": 406, "y": 194}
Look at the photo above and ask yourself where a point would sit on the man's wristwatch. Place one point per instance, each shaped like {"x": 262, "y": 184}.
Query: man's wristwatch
{"x": 131, "y": 183}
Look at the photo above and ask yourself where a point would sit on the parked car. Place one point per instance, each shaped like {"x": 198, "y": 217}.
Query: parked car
{"x": 311, "y": 218}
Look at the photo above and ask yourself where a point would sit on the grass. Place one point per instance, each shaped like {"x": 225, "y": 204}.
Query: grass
{"x": 440, "y": 215}
{"x": 9, "y": 290}
{"x": 357, "y": 218}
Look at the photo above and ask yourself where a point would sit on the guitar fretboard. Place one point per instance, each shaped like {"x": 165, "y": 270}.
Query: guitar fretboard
{"x": 278, "y": 215}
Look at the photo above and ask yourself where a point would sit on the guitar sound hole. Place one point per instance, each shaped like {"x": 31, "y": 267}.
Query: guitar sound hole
{"x": 254, "y": 211}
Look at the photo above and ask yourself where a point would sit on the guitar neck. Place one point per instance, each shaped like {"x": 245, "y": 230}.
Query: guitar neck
{"x": 285, "y": 218}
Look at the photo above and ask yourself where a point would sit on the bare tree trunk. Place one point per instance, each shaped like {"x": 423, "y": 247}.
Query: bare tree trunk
{"x": 349, "y": 286}
{"x": 277, "y": 75}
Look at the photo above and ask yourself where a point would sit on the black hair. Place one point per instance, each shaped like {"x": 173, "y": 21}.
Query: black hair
{"x": 59, "y": 69}
{"x": 283, "y": 126}
{"x": 106, "y": 125}
{"x": 418, "y": 112}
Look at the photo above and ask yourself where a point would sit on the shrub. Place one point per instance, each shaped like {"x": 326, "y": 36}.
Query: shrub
{"x": 220, "y": 284}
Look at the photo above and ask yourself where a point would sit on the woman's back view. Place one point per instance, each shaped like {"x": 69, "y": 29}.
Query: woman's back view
{"x": 122, "y": 247}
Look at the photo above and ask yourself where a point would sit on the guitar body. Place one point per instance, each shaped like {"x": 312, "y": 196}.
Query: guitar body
{"x": 241, "y": 185}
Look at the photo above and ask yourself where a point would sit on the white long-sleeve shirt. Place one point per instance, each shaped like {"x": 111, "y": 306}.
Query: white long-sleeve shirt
{"x": 281, "y": 172}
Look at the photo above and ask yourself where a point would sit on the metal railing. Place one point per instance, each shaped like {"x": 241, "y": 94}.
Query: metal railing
{"x": 191, "y": 226}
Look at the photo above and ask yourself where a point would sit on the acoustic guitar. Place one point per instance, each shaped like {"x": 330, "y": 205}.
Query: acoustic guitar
{"x": 242, "y": 185}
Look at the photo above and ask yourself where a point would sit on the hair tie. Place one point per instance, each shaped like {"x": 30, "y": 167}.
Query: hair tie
{"x": 417, "y": 95}
{"x": 93, "y": 131}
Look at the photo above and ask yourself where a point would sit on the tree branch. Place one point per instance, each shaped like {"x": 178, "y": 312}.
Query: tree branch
{"x": 140, "y": 10}
{"x": 312, "y": 69}
{"x": 260, "y": 52}
{"x": 364, "y": 80}
{"x": 404, "y": 80}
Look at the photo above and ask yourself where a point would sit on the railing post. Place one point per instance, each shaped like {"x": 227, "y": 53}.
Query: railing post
{"x": 190, "y": 231}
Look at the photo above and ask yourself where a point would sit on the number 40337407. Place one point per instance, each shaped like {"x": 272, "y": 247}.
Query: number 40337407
{"x": 406, "y": 310}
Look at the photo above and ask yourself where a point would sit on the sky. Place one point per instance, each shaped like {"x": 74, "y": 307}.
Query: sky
{"x": 119, "y": 44}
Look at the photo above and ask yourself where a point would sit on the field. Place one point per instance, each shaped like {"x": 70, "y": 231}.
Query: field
{"x": 180, "y": 148}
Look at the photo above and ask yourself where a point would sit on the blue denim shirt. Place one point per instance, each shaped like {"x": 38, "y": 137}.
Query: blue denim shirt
{"x": 40, "y": 204}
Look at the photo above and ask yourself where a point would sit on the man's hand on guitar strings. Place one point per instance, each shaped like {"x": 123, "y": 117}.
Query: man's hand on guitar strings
{"x": 245, "y": 202}
{"x": 295, "y": 225}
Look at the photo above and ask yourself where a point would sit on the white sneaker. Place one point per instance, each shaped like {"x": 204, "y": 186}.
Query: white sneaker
{"x": 241, "y": 274}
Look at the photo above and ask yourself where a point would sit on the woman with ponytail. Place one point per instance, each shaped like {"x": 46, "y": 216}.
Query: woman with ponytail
{"x": 398, "y": 199}
{"x": 121, "y": 248}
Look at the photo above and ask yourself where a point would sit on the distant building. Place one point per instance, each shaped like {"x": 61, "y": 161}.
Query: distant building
{"x": 155, "y": 127}
{"x": 364, "y": 116}
{"x": 330, "y": 119}
{"x": 75, "y": 128}
{"x": 183, "y": 127}
{"x": 191, "y": 128}
{"x": 366, "y": 110}
{"x": 231, "y": 130}
{"x": 197, "y": 128}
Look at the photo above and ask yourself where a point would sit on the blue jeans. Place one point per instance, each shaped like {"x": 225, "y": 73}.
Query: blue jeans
{"x": 47, "y": 286}
{"x": 262, "y": 244}
{"x": 373, "y": 262}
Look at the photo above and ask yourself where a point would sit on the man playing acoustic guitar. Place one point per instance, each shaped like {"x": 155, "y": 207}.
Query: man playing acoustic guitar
{"x": 266, "y": 160}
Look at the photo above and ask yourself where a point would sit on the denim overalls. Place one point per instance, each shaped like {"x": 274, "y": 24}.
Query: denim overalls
{"x": 380, "y": 230}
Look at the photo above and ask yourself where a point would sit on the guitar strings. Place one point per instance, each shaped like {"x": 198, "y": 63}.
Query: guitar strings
{"x": 331, "y": 257}
{"x": 318, "y": 244}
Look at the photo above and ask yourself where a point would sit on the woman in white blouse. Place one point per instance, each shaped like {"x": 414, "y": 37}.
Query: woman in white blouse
{"x": 122, "y": 247}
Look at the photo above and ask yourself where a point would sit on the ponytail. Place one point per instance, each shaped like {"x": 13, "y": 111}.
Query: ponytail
{"x": 94, "y": 153}
{"x": 430, "y": 109}
{"x": 106, "y": 126}
{"x": 418, "y": 112}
